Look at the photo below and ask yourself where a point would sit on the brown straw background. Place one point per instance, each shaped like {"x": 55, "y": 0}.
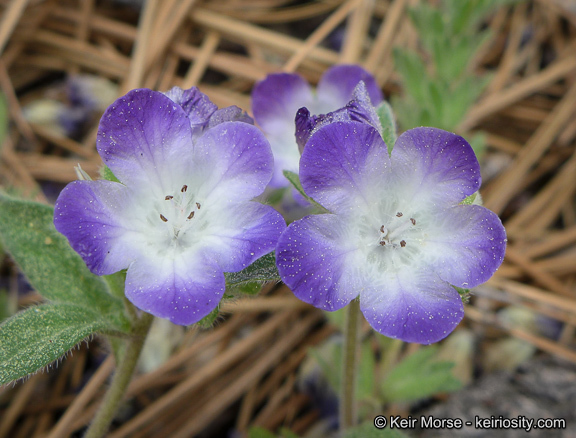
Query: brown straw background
{"x": 244, "y": 372}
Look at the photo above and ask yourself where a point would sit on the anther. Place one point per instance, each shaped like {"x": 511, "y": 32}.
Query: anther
{"x": 382, "y": 243}
{"x": 191, "y": 215}
{"x": 167, "y": 198}
{"x": 413, "y": 221}
{"x": 399, "y": 214}
{"x": 382, "y": 229}
{"x": 402, "y": 243}
{"x": 184, "y": 188}
{"x": 198, "y": 205}
{"x": 163, "y": 218}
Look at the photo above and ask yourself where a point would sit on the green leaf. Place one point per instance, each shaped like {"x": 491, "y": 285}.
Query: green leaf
{"x": 413, "y": 72}
{"x": 275, "y": 196}
{"x": 116, "y": 283}
{"x": 247, "y": 282}
{"x": 461, "y": 14}
{"x": 438, "y": 102}
{"x": 474, "y": 199}
{"x": 439, "y": 87}
{"x": 248, "y": 288}
{"x": 419, "y": 376}
{"x": 262, "y": 270}
{"x": 464, "y": 294}
{"x": 295, "y": 181}
{"x": 209, "y": 320}
{"x": 39, "y": 335}
{"x": 388, "y": 123}
{"x": 469, "y": 200}
{"x": 260, "y": 432}
{"x": 53, "y": 268}
{"x": 428, "y": 21}
{"x": 107, "y": 174}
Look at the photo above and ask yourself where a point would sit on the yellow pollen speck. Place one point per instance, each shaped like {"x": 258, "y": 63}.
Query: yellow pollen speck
{"x": 48, "y": 241}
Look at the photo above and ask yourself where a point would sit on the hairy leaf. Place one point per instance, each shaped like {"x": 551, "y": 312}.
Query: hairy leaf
{"x": 37, "y": 336}
{"x": 53, "y": 268}
{"x": 262, "y": 270}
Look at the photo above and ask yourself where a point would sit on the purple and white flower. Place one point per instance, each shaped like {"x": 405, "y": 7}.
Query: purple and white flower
{"x": 277, "y": 98}
{"x": 398, "y": 236}
{"x": 182, "y": 214}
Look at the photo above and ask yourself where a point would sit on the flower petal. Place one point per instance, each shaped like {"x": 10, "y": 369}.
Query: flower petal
{"x": 183, "y": 289}
{"x": 313, "y": 258}
{"x": 195, "y": 104}
{"x": 232, "y": 163}
{"x": 359, "y": 109}
{"x": 145, "y": 138}
{"x": 337, "y": 84}
{"x": 342, "y": 164}
{"x": 245, "y": 234}
{"x": 466, "y": 244}
{"x": 276, "y": 99}
{"x": 91, "y": 215}
{"x": 286, "y": 157}
{"x": 435, "y": 166}
{"x": 230, "y": 114}
{"x": 415, "y": 306}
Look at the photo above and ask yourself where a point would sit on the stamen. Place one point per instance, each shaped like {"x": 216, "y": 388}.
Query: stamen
{"x": 382, "y": 229}
{"x": 191, "y": 215}
{"x": 167, "y": 198}
{"x": 163, "y": 218}
{"x": 184, "y": 188}
{"x": 402, "y": 243}
{"x": 399, "y": 214}
{"x": 198, "y": 205}
{"x": 413, "y": 221}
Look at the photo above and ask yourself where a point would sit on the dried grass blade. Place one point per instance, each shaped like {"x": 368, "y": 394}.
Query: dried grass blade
{"x": 382, "y": 46}
{"x": 214, "y": 406}
{"x": 204, "y": 374}
{"x": 505, "y": 187}
{"x": 320, "y": 34}
{"x": 63, "y": 427}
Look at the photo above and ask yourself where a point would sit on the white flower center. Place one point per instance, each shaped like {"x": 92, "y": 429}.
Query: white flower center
{"x": 179, "y": 212}
{"x": 396, "y": 231}
{"x": 391, "y": 240}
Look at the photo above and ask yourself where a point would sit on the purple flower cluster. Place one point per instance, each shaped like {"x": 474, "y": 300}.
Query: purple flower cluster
{"x": 182, "y": 214}
{"x": 397, "y": 236}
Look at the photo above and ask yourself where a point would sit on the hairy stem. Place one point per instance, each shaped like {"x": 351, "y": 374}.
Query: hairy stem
{"x": 107, "y": 410}
{"x": 349, "y": 367}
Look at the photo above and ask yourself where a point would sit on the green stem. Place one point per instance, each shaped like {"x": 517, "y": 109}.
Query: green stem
{"x": 349, "y": 367}
{"x": 107, "y": 410}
